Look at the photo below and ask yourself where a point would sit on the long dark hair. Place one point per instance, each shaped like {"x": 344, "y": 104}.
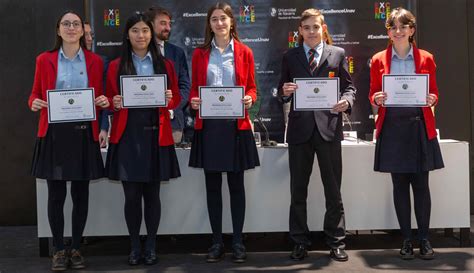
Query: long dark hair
{"x": 126, "y": 66}
{"x": 233, "y": 27}
{"x": 59, "y": 41}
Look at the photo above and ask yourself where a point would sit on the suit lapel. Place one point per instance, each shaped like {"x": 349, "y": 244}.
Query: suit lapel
{"x": 53, "y": 61}
{"x": 205, "y": 55}
{"x": 301, "y": 56}
{"x": 324, "y": 56}
{"x": 167, "y": 49}
{"x": 388, "y": 59}
{"x": 417, "y": 59}
{"x": 238, "y": 62}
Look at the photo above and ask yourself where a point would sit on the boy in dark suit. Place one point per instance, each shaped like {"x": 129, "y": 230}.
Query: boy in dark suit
{"x": 318, "y": 131}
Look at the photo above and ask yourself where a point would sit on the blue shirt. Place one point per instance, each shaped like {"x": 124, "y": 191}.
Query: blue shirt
{"x": 220, "y": 71}
{"x": 402, "y": 66}
{"x": 72, "y": 73}
{"x": 319, "y": 51}
{"x": 143, "y": 66}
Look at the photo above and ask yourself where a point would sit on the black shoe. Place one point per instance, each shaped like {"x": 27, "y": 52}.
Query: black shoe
{"x": 338, "y": 254}
{"x": 299, "y": 253}
{"x": 426, "y": 251}
{"x": 150, "y": 257}
{"x": 134, "y": 258}
{"x": 76, "y": 261}
{"x": 238, "y": 253}
{"x": 406, "y": 252}
{"x": 60, "y": 261}
{"x": 215, "y": 254}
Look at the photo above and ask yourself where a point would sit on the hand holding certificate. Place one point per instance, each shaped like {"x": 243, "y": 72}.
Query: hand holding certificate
{"x": 315, "y": 94}
{"x": 221, "y": 102}
{"x": 405, "y": 90}
{"x": 143, "y": 91}
{"x": 71, "y": 105}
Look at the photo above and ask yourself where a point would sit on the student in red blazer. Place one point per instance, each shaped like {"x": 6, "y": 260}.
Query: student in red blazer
{"x": 224, "y": 145}
{"x": 407, "y": 146}
{"x": 134, "y": 152}
{"x": 67, "y": 151}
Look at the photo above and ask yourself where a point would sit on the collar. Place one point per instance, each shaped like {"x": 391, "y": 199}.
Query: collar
{"x": 79, "y": 55}
{"x": 161, "y": 43}
{"x": 136, "y": 57}
{"x": 318, "y": 48}
{"x": 410, "y": 53}
{"x": 229, "y": 46}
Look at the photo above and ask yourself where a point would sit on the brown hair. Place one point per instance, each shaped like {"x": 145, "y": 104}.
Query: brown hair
{"x": 154, "y": 11}
{"x": 209, "y": 34}
{"x": 317, "y": 13}
{"x": 403, "y": 16}
{"x": 59, "y": 41}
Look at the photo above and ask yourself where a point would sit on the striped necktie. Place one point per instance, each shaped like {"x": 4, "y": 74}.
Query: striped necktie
{"x": 312, "y": 60}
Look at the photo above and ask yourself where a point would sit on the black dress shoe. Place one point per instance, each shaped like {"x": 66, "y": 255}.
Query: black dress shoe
{"x": 299, "y": 253}
{"x": 238, "y": 253}
{"x": 426, "y": 251}
{"x": 338, "y": 254}
{"x": 406, "y": 252}
{"x": 134, "y": 258}
{"x": 150, "y": 257}
{"x": 215, "y": 254}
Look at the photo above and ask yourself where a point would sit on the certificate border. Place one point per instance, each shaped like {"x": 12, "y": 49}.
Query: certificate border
{"x": 143, "y": 76}
{"x": 222, "y": 117}
{"x": 427, "y": 78}
{"x": 318, "y": 78}
{"x": 69, "y": 90}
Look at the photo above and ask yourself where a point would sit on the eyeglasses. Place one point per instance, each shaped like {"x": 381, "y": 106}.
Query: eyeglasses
{"x": 401, "y": 28}
{"x": 68, "y": 24}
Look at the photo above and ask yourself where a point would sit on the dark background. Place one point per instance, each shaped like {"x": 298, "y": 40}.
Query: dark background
{"x": 445, "y": 28}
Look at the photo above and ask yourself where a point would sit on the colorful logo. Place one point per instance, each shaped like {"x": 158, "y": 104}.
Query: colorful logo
{"x": 111, "y": 17}
{"x": 382, "y": 10}
{"x": 293, "y": 39}
{"x": 350, "y": 63}
{"x": 247, "y": 14}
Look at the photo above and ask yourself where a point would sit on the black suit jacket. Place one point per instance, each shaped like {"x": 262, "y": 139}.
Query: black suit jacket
{"x": 301, "y": 123}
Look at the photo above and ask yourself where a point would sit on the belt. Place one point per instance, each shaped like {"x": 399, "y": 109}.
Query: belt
{"x": 80, "y": 127}
{"x": 150, "y": 127}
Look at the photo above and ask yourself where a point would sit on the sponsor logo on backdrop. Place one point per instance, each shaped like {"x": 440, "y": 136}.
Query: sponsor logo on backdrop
{"x": 350, "y": 63}
{"x": 247, "y": 14}
{"x": 257, "y": 69}
{"x": 193, "y": 42}
{"x": 111, "y": 17}
{"x": 274, "y": 92}
{"x": 194, "y": 14}
{"x": 377, "y": 37}
{"x": 337, "y": 11}
{"x": 284, "y": 13}
{"x": 340, "y": 39}
{"x": 255, "y": 40}
{"x": 382, "y": 10}
{"x": 292, "y": 39}
{"x": 109, "y": 43}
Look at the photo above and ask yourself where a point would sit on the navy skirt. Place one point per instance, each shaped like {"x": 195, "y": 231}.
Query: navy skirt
{"x": 221, "y": 147}
{"x": 68, "y": 152}
{"x": 136, "y": 157}
{"x": 169, "y": 165}
{"x": 403, "y": 145}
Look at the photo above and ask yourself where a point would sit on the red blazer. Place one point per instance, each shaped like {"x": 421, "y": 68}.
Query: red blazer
{"x": 45, "y": 79}
{"x": 424, "y": 64}
{"x": 244, "y": 76}
{"x": 120, "y": 117}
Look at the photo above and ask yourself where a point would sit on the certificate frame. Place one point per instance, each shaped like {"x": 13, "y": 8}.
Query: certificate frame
{"x": 427, "y": 84}
{"x": 300, "y": 108}
{"x": 241, "y": 113}
{"x": 92, "y": 115}
{"x": 127, "y": 104}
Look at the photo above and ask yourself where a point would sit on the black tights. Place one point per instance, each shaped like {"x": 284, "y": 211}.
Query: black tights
{"x": 80, "y": 199}
{"x": 134, "y": 192}
{"x": 422, "y": 202}
{"x": 214, "y": 203}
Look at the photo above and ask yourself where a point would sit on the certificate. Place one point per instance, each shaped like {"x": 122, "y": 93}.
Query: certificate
{"x": 405, "y": 90}
{"x": 315, "y": 93}
{"x": 143, "y": 91}
{"x": 219, "y": 102}
{"x": 71, "y": 105}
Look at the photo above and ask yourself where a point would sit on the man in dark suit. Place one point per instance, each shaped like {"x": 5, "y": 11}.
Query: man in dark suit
{"x": 161, "y": 19}
{"x": 318, "y": 131}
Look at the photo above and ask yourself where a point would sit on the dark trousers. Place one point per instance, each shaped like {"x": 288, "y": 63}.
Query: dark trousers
{"x": 422, "y": 202}
{"x": 235, "y": 181}
{"x": 134, "y": 192}
{"x": 80, "y": 199}
{"x": 301, "y": 158}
